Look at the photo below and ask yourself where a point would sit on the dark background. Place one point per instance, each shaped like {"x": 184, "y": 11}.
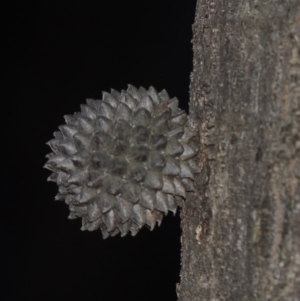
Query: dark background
{"x": 56, "y": 55}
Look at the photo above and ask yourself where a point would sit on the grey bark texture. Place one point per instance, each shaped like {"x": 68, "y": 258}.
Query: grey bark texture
{"x": 241, "y": 230}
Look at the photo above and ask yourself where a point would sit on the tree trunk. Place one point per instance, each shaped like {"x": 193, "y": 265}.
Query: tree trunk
{"x": 241, "y": 230}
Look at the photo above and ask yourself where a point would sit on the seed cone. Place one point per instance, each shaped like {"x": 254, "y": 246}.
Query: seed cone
{"x": 124, "y": 161}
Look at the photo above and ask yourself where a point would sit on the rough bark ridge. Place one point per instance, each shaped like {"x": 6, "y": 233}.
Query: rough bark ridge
{"x": 241, "y": 232}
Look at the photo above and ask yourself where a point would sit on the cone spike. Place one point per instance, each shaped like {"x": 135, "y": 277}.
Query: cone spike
{"x": 127, "y": 99}
{"x": 154, "y": 96}
{"x": 147, "y": 103}
{"x": 150, "y": 219}
{"x": 92, "y": 103}
{"x": 164, "y": 95}
{"x": 67, "y": 130}
{"x": 123, "y": 112}
{"x": 115, "y": 94}
{"x": 70, "y": 119}
{"x": 173, "y": 105}
{"x": 139, "y": 215}
{"x": 161, "y": 202}
{"x": 179, "y": 187}
{"x": 109, "y": 99}
{"x": 134, "y": 92}
{"x": 85, "y": 124}
{"x": 105, "y": 109}
{"x": 185, "y": 170}
{"x": 88, "y": 111}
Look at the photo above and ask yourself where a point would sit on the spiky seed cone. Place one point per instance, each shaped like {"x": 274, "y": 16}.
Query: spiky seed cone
{"x": 123, "y": 161}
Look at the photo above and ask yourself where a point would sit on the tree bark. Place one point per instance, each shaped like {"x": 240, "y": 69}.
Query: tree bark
{"x": 241, "y": 230}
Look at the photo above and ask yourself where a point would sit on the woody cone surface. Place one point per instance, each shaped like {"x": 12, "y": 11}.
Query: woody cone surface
{"x": 123, "y": 161}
